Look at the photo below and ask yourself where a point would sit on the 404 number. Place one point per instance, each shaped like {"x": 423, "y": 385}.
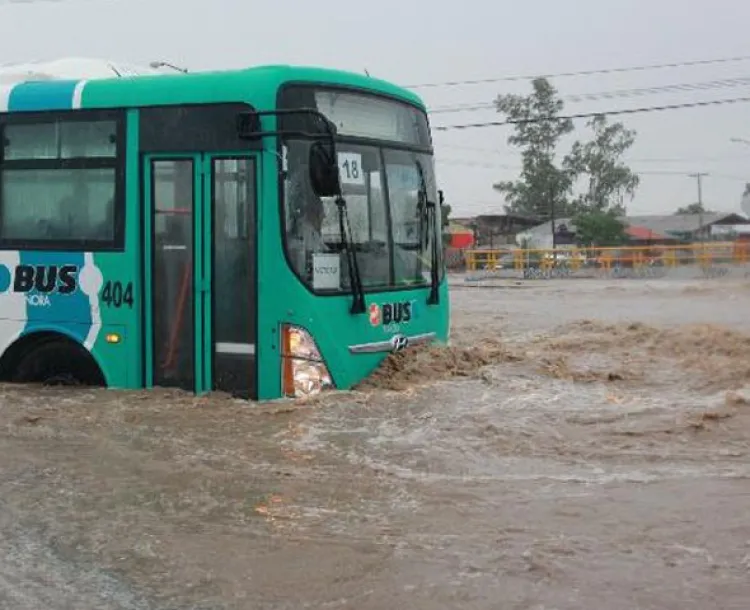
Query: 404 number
{"x": 117, "y": 294}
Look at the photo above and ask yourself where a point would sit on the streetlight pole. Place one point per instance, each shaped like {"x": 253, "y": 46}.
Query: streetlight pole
{"x": 699, "y": 178}
{"x": 745, "y": 209}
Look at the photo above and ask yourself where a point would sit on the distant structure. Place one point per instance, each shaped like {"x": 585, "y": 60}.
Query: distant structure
{"x": 652, "y": 229}
{"x": 496, "y": 230}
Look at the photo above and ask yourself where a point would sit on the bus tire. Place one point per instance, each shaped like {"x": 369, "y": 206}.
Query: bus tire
{"x": 59, "y": 362}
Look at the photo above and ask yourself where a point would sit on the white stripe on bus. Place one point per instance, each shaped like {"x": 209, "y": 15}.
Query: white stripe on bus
{"x": 245, "y": 349}
{"x": 78, "y": 95}
{"x": 5, "y": 97}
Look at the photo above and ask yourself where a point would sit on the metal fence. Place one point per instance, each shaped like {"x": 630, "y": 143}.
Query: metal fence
{"x": 699, "y": 260}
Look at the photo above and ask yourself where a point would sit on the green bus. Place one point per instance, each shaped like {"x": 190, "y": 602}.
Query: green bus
{"x": 267, "y": 232}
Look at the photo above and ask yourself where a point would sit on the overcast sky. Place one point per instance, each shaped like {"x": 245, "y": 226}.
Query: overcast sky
{"x": 434, "y": 42}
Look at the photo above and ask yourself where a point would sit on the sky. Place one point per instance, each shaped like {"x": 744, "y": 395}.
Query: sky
{"x": 431, "y": 43}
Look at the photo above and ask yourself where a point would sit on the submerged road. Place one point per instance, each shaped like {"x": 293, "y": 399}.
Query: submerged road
{"x": 583, "y": 445}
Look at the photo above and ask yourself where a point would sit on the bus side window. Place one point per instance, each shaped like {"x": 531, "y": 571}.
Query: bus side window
{"x": 59, "y": 182}
{"x": 234, "y": 245}
{"x": 173, "y": 271}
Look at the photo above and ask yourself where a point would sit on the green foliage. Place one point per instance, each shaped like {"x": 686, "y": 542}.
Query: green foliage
{"x": 600, "y": 228}
{"x": 537, "y": 132}
{"x": 693, "y": 208}
{"x": 599, "y": 161}
{"x": 544, "y": 186}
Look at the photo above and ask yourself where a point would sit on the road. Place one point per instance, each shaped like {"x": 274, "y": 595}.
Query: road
{"x": 583, "y": 444}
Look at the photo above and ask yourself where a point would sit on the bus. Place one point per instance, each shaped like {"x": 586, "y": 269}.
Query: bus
{"x": 265, "y": 232}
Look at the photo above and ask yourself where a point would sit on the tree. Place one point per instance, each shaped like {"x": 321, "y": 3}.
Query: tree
{"x": 693, "y": 208}
{"x": 600, "y": 228}
{"x": 542, "y": 189}
{"x": 600, "y": 161}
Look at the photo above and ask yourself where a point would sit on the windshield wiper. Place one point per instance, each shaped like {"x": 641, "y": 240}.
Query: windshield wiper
{"x": 431, "y": 213}
{"x": 355, "y": 279}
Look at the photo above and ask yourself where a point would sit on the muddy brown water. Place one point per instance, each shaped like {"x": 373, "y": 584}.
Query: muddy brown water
{"x": 581, "y": 445}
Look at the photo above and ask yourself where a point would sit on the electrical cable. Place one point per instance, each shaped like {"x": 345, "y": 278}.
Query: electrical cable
{"x": 590, "y": 115}
{"x": 645, "y": 172}
{"x": 711, "y": 159}
{"x": 27, "y": 2}
{"x": 727, "y": 83}
{"x": 640, "y": 68}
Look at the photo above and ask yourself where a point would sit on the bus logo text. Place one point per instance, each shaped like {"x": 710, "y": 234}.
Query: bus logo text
{"x": 390, "y": 315}
{"x": 45, "y": 279}
{"x": 396, "y": 312}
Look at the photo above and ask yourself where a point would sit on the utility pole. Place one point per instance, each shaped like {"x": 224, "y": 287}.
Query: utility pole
{"x": 552, "y": 218}
{"x": 699, "y": 178}
{"x": 551, "y": 196}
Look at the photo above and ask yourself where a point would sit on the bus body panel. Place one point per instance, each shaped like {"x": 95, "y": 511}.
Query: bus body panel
{"x": 335, "y": 330}
{"x": 99, "y": 304}
{"x": 114, "y": 328}
{"x": 80, "y": 315}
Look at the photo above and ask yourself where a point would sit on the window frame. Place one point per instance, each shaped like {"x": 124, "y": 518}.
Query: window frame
{"x": 117, "y": 163}
{"x": 377, "y": 143}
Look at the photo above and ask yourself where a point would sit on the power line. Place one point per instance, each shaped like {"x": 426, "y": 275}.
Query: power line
{"x": 590, "y": 115}
{"x": 709, "y": 159}
{"x": 478, "y": 164}
{"x": 57, "y": 2}
{"x": 645, "y": 172}
{"x": 31, "y": 1}
{"x": 518, "y": 168}
{"x": 641, "y": 68}
{"x": 726, "y": 83}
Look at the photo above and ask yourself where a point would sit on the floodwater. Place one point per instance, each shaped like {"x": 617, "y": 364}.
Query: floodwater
{"x": 583, "y": 444}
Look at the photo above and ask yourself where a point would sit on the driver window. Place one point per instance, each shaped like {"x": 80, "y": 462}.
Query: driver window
{"x": 305, "y": 212}
{"x": 313, "y": 229}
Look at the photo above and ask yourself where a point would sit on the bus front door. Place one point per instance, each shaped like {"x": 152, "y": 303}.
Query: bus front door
{"x": 200, "y": 271}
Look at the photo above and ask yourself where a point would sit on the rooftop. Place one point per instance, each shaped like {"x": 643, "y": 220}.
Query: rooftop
{"x": 101, "y": 83}
{"x": 656, "y": 223}
{"x": 679, "y": 223}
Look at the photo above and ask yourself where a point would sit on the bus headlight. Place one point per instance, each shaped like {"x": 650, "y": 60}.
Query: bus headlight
{"x": 303, "y": 371}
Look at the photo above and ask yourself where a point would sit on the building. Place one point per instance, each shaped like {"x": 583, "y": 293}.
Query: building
{"x": 461, "y": 237}
{"x": 674, "y": 228}
{"x": 496, "y": 230}
{"x": 648, "y": 229}
{"x": 540, "y": 236}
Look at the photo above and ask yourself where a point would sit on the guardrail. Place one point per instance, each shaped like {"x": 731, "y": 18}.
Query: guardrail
{"x": 709, "y": 259}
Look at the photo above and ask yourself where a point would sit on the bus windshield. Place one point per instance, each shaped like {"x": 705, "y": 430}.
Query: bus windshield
{"x": 386, "y": 185}
{"x": 387, "y": 213}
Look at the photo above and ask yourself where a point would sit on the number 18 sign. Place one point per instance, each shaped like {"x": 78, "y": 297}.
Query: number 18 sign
{"x": 350, "y": 168}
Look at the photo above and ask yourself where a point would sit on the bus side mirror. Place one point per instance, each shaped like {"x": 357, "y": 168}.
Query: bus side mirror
{"x": 324, "y": 170}
{"x": 441, "y": 197}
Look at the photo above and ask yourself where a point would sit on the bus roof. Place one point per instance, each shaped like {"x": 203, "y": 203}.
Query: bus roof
{"x": 77, "y": 85}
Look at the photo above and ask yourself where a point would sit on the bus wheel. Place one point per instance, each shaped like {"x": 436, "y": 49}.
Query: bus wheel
{"x": 59, "y": 362}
